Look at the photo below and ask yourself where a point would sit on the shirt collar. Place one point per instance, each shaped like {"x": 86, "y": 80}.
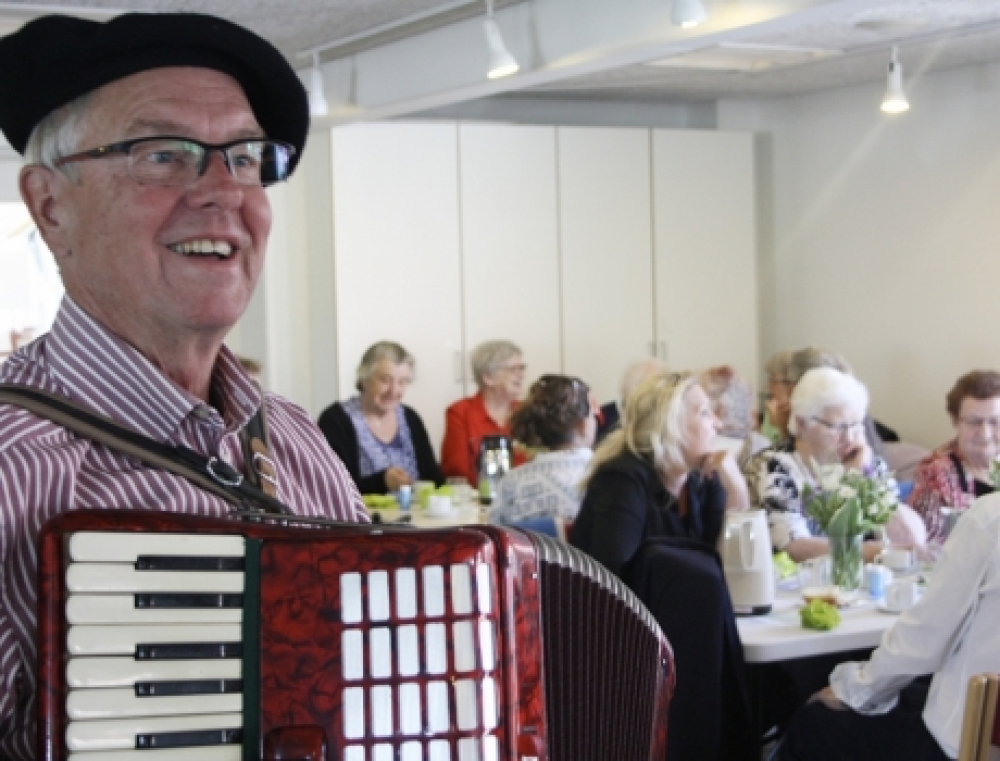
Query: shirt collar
{"x": 104, "y": 372}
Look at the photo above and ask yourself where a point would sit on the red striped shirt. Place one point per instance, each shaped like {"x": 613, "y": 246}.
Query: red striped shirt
{"x": 46, "y": 470}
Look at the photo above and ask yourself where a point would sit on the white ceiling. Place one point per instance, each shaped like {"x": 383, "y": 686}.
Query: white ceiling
{"x": 933, "y": 34}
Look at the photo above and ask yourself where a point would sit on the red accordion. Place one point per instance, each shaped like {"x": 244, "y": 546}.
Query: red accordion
{"x": 169, "y": 636}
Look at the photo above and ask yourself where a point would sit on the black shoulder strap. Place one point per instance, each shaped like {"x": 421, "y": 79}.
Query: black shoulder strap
{"x": 209, "y": 473}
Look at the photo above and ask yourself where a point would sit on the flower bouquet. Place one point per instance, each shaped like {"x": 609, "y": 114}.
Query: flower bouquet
{"x": 847, "y": 505}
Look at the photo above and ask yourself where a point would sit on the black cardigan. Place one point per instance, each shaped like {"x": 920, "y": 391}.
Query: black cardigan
{"x": 627, "y": 503}
{"x": 343, "y": 438}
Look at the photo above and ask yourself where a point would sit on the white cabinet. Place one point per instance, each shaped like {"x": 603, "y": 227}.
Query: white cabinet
{"x": 510, "y": 241}
{"x": 607, "y": 288}
{"x": 705, "y": 252}
{"x": 397, "y": 255}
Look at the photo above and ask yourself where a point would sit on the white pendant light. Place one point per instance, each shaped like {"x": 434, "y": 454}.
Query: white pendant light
{"x": 895, "y": 101}
{"x": 687, "y": 14}
{"x": 502, "y": 63}
{"x": 317, "y": 96}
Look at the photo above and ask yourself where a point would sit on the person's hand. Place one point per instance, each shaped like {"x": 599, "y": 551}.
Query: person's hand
{"x": 858, "y": 456}
{"x": 778, "y": 413}
{"x": 829, "y": 699}
{"x": 870, "y": 551}
{"x": 723, "y": 464}
{"x": 396, "y": 477}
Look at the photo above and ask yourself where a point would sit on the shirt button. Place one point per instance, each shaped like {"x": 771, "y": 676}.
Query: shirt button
{"x": 202, "y": 412}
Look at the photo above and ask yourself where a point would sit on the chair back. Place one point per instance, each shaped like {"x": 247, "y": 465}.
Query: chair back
{"x": 980, "y": 725}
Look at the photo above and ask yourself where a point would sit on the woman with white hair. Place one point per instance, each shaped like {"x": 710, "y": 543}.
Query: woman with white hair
{"x": 658, "y": 476}
{"x": 498, "y": 367}
{"x": 827, "y": 425}
{"x": 382, "y": 442}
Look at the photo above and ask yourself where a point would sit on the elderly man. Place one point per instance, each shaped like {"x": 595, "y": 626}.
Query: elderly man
{"x": 148, "y": 141}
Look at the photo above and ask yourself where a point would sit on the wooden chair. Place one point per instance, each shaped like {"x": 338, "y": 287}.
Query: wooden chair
{"x": 980, "y": 726}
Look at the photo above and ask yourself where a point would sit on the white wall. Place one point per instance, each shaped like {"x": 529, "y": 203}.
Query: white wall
{"x": 879, "y": 234}
{"x": 10, "y": 166}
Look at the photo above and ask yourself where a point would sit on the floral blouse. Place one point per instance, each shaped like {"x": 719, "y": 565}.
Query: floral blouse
{"x": 939, "y": 481}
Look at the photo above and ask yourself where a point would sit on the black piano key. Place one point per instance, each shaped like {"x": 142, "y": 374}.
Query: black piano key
{"x": 177, "y": 600}
{"x": 173, "y": 651}
{"x": 190, "y": 739}
{"x": 177, "y": 563}
{"x": 188, "y": 687}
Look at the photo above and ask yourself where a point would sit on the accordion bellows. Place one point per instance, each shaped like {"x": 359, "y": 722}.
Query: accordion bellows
{"x": 168, "y": 636}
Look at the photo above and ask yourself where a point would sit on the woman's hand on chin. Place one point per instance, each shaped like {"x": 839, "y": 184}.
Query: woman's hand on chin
{"x": 858, "y": 457}
{"x": 724, "y": 465}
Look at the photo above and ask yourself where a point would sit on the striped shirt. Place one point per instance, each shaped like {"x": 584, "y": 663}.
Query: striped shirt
{"x": 46, "y": 470}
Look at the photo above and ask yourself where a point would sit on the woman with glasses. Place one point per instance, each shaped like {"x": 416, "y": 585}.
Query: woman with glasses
{"x": 827, "y": 410}
{"x": 958, "y": 472}
{"x": 557, "y": 421}
{"x": 498, "y": 368}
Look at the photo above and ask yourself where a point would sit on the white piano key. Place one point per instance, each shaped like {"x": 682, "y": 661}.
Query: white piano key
{"x": 433, "y": 590}
{"x": 439, "y": 750}
{"x": 408, "y": 648}
{"x": 491, "y": 748}
{"x": 121, "y": 640}
{"x": 411, "y": 751}
{"x": 490, "y": 716}
{"x": 382, "y": 710}
{"x": 380, "y": 650}
{"x": 468, "y": 749}
{"x": 91, "y": 705}
{"x": 484, "y": 587}
{"x": 437, "y": 648}
{"x": 378, "y": 596}
{"x": 383, "y": 752}
{"x": 204, "y": 753}
{"x": 119, "y": 734}
{"x": 464, "y": 644}
{"x": 126, "y": 672}
{"x": 354, "y": 753}
{"x": 350, "y": 598}
{"x": 120, "y": 609}
{"x": 406, "y": 592}
{"x": 126, "y": 547}
{"x": 354, "y": 713}
{"x": 487, "y": 645}
{"x": 409, "y": 709}
{"x": 352, "y": 650}
{"x": 108, "y": 578}
{"x": 438, "y": 714}
{"x": 461, "y": 589}
{"x": 466, "y": 704}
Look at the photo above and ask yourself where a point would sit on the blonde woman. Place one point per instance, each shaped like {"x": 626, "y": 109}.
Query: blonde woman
{"x": 659, "y": 475}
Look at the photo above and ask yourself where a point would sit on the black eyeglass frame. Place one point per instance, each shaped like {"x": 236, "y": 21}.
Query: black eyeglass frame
{"x": 125, "y": 147}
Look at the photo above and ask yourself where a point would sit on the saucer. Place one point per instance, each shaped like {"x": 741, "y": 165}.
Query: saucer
{"x": 883, "y": 608}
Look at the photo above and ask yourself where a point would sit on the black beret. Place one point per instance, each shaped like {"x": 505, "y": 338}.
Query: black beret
{"x": 55, "y": 59}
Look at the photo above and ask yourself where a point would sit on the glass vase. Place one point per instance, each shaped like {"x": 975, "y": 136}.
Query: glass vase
{"x": 846, "y": 563}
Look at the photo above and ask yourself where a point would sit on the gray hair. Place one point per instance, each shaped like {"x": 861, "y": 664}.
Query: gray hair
{"x": 802, "y": 361}
{"x": 824, "y": 387}
{"x": 732, "y": 400}
{"x": 489, "y": 357}
{"x": 635, "y": 374}
{"x": 653, "y": 425}
{"x": 58, "y": 135}
{"x": 376, "y": 353}
{"x": 776, "y": 367}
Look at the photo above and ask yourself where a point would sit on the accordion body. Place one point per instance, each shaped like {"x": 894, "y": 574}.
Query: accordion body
{"x": 163, "y": 636}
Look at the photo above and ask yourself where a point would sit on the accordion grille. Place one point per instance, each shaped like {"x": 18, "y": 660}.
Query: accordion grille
{"x": 608, "y": 665}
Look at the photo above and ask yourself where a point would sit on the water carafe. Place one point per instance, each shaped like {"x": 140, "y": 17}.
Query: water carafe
{"x": 494, "y": 461}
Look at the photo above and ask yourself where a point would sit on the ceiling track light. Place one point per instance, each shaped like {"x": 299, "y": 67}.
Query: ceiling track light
{"x": 502, "y": 63}
{"x": 687, "y": 14}
{"x": 895, "y": 101}
{"x": 317, "y": 95}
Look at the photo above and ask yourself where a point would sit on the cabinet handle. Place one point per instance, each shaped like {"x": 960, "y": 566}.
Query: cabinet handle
{"x": 662, "y": 350}
{"x": 653, "y": 349}
{"x": 458, "y": 366}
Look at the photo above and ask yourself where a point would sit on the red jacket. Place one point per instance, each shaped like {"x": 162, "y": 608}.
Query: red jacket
{"x": 466, "y": 422}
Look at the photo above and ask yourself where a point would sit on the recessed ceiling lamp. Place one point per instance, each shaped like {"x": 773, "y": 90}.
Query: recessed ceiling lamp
{"x": 317, "y": 96}
{"x": 895, "y": 101}
{"x": 502, "y": 63}
{"x": 687, "y": 14}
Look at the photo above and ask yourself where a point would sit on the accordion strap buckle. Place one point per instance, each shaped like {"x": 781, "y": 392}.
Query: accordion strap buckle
{"x": 223, "y": 472}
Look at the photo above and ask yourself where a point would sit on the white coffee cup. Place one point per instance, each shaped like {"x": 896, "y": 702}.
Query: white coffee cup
{"x": 901, "y": 595}
{"x": 439, "y": 505}
{"x": 815, "y": 572}
{"x": 896, "y": 558}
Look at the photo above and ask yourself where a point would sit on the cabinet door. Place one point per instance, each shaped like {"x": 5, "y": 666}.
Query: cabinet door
{"x": 604, "y": 207}
{"x": 510, "y": 241}
{"x": 706, "y": 266}
{"x": 396, "y": 248}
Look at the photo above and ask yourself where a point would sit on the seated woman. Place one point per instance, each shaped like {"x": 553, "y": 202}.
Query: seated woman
{"x": 558, "y": 419}
{"x": 826, "y": 421}
{"x": 498, "y": 368}
{"x": 875, "y": 710}
{"x": 958, "y": 472}
{"x": 658, "y": 476}
{"x": 732, "y": 403}
{"x": 382, "y": 442}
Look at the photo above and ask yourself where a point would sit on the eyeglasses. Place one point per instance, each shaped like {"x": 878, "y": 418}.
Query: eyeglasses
{"x": 980, "y": 422}
{"x": 840, "y": 429}
{"x": 179, "y": 161}
{"x": 519, "y": 368}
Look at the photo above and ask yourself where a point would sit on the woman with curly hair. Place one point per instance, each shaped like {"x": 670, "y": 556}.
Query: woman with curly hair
{"x": 558, "y": 421}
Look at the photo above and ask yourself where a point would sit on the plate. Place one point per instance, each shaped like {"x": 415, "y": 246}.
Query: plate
{"x": 883, "y": 608}
{"x": 833, "y": 595}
